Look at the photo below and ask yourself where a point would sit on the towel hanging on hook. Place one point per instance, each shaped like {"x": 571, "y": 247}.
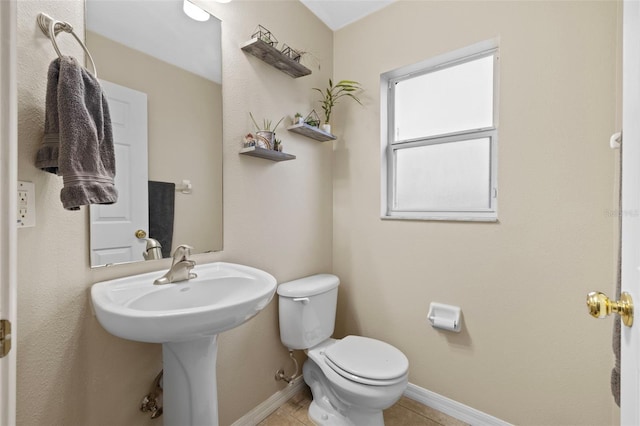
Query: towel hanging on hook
{"x": 50, "y": 27}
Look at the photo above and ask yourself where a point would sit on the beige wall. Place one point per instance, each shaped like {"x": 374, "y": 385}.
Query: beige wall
{"x": 528, "y": 352}
{"x": 277, "y": 216}
{"x": 185, "y": 135}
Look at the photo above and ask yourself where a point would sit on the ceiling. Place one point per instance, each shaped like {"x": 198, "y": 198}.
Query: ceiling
{"x": 162, "y": 30}
{"x": 340, "y": 13}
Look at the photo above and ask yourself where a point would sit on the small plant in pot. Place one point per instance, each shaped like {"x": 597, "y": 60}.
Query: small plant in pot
{"x": 298, "y": 119}
{"x": 277, "y": 145}
{"x": 332, "y": 94}
{"x": 266, "y": 133}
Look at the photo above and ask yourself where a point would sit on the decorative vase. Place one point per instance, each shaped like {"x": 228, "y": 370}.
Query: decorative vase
{"x": 266, "y": 137}
{"x": 326, "y": 127}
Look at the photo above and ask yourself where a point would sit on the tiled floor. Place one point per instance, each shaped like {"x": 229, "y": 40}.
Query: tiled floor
{"x": 405, "y": 412}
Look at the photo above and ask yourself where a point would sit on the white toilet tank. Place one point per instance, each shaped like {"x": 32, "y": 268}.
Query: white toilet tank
{"x": 307, "y": 310}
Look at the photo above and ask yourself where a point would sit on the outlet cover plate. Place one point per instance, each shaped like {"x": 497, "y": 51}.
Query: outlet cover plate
{"x": 26, "y": 204}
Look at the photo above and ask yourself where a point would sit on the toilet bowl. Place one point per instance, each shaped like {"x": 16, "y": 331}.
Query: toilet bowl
{"x": 354, "y": 399}
{"x": 352, "y": 379}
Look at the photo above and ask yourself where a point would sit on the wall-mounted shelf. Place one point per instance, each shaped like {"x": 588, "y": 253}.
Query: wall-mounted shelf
{"x": 311, "y": 132}
{"x": 275, "y": 58}
{"x": 268, "y": 154}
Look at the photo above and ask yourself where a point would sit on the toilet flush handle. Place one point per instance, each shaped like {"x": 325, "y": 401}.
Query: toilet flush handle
{"x": 304, "y": 300}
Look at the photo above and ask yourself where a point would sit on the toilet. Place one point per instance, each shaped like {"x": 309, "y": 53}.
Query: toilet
{"x": 352, "y": 379}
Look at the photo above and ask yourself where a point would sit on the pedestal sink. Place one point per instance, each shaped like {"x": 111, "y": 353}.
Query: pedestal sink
{"x": 186, "y": 318}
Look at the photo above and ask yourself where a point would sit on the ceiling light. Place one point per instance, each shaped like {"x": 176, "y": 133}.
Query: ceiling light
{"x": 194, "y": 12}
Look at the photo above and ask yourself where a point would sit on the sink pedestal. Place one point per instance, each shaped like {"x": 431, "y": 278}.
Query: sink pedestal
{"x": 190, "y": 395}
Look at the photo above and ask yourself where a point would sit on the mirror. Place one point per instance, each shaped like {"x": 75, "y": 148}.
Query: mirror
{"x": 161, "y": 73}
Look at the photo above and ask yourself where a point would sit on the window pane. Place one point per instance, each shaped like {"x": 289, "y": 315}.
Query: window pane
{"x": 447, "y": 176}
{"x": 453, "y": 99}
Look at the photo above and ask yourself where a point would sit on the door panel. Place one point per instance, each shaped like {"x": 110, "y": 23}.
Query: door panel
{"x": 8, "y": 201}
{"x": 630, "y": 342}
{"x": 113, "y": 226}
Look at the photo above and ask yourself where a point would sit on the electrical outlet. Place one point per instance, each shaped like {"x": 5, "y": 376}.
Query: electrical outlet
{"x": 26, "y": 204}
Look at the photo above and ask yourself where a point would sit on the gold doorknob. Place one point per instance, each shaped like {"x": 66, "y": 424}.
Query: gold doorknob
{"x": 140, "y": 234}
{"x": 600, "y": 306}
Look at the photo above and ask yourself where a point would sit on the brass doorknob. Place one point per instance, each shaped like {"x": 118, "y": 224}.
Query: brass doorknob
{"x": 600, "y": 306}
{"x": 140, "y": 234}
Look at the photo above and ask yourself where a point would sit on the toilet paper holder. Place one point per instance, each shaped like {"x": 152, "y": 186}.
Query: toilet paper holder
{"x": 445, "y": 317}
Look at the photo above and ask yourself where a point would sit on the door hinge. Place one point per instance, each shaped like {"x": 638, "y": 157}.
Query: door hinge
{"x": 5, "y": 337}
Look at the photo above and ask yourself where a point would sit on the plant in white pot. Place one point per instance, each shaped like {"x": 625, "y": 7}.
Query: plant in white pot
{"x": 332, "y": 94}
{"x": 265, "y": 133}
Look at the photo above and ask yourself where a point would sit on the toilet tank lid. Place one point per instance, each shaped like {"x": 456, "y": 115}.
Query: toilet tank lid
{"x": 309, "y": 286}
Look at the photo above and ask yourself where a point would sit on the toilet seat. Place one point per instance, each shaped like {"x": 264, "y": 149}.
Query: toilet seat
{"x": 367, "y": 361}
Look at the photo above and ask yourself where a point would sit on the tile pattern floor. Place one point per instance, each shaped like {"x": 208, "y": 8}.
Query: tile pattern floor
{"x": 405, "y": 412}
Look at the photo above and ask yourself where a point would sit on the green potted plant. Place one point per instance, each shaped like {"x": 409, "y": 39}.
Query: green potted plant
{"x": 266, "y": 133}
{"x": 298, "y": 119}
{"x": 332, "y": 94}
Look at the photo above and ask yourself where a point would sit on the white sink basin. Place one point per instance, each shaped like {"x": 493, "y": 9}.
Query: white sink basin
{"x": 186, "y": 318}
{"x": 223, "y": 296}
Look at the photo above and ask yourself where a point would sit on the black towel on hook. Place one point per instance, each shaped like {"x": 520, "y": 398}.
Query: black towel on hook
{"x": 162, "y": 196}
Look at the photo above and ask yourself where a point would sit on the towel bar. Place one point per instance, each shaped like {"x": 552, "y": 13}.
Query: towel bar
{"x": 50, "y": 27}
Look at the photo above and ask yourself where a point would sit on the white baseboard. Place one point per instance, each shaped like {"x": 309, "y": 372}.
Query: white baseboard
{"x": 423, "y": 396}
{"x": 452, "y": 408}
{"x": 267, "y": 407}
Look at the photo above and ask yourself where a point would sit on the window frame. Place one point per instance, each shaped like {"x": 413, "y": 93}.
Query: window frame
{"x": 390, "y": 146}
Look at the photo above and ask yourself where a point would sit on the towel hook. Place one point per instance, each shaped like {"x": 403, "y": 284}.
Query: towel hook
{"x": 51, "y": 28}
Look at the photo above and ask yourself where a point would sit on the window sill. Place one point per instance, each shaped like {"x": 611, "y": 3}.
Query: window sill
{"x": 441, "y": 218}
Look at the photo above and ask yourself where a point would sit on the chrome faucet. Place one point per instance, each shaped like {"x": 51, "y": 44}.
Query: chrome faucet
{"x": 180, "y": 268}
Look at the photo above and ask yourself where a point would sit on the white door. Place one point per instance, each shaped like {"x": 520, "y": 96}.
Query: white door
{"x": 630, "y": 346}
{"x": 114, "y": 226}
{"x": 8, "y": 198}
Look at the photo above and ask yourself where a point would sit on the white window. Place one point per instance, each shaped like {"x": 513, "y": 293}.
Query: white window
{"x": 440, "y": 137}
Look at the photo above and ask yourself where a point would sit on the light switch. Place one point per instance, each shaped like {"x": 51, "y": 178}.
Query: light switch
{"x": 26, "y": 204}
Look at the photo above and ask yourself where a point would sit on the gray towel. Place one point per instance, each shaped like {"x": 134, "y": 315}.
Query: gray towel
{"x": 615, "y": 372}
{"x": 78, "y": 139}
